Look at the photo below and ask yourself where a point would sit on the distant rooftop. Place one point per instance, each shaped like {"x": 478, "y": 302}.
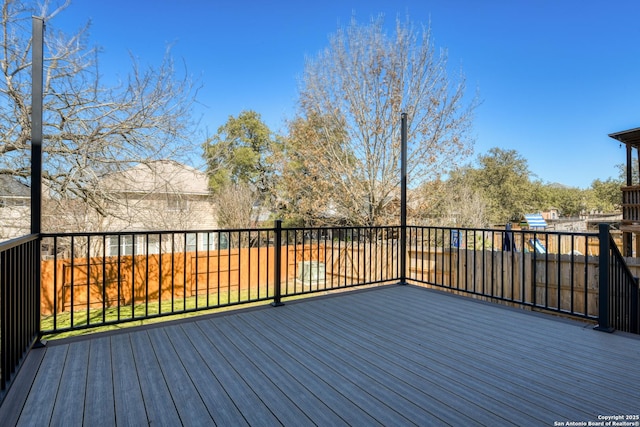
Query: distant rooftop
{"x": 11, "y": 187}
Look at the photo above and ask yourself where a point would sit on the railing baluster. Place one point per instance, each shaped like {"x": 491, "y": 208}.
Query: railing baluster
{"x": 195, "y": 276}
{"x": 239, "y": 265}
{"x": 229, "y": 265}
{"x": 146, "y": 276}
{"x": 160, "y": 275}
{"x": 185, "y": 254}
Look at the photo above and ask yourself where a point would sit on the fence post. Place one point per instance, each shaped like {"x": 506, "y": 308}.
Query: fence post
{"x": 603, "y": 282}
{"x": 278, "y": 264}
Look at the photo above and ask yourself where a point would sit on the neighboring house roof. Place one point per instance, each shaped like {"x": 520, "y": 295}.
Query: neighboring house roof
{"x": 11, "y": 187}
{"x": 162, "y": 176}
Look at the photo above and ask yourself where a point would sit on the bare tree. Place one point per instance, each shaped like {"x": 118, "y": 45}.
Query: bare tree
{"x": 90, "y": 129}
{"x": 235, "y": 206}
{"x": 464, "y": 207}
{"x": 354, "y": 91}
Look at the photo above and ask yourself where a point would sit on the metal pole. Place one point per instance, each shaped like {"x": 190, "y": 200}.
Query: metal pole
{"x": 36, "y": 124}
{"x": 277, "y": 259}
{"x": 403, "y": 199}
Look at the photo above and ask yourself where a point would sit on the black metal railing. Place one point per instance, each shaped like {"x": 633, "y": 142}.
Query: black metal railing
{"x": 94, "y": 279}
{"x": 553, "y": 271}
{"x": 618, "y": 295}
{"x": 52, "y": 283}
{"x": 19, "y": 303}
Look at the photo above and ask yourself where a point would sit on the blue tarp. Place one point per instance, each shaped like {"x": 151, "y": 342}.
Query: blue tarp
{"x": 534, "y": 221}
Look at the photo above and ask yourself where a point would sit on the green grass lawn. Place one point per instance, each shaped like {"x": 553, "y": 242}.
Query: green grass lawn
{"x": 97, "y": 320}
{"x": 158, "y": 311}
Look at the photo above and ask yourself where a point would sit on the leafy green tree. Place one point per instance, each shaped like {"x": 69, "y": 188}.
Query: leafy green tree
{"x": 605, "y": 196}
{"x": 569, "y": 201}
{"x": 241, "y": 152}
{"x": 503, "y": 177}
{"x": 622, "y": 173}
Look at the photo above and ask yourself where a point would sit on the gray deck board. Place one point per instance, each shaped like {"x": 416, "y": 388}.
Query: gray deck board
{"x": 319, "y": 378}
{"x": 72, "y": 384}
{"x": 273, "y": 398}
{"x": 556, "y": 362}
{"x": 128, "y": 399}
{"x": 185, "y": 396}
{"x": 447, "y": 373}
{"x": 40, "y": 402}
{"x": 17, "y": 395}
{"x": 99, "y": 406}
{"x": 159, "y": 405}
{"x": 397, "y": 355}
{"x": 286, "y": 376}
{"x": 389, "y": 367}
{"x": 251, "y": 408}
{"x": 324, "y": 354}
{"x": 221, "y": 407}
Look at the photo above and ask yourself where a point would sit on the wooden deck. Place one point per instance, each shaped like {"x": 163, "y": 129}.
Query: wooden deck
{"x": 396, "y": 355}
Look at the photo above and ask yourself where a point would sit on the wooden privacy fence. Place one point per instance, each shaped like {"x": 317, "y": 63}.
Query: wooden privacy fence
{"x": 100, "y": 282}
{"x": 112, "y": 281}
{"x": 563, "y": 283}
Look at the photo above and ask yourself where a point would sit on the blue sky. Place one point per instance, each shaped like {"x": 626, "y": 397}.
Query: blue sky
{"x": 554, "y": 77}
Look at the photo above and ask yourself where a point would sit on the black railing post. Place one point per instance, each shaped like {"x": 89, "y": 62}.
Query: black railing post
{"x": 37, "y": 72}
{"x": 277, "y": 260}
{"x": 403, "y": 199}
{"x": 603, "y": 288}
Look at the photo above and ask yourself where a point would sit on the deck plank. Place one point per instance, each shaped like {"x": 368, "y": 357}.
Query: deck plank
{"x": 39, "y": 405}
{"x": 443, "y": 372}
{"x": 351, "y": 376}
{"x": 380, "y": 381}
{"x": 128, "y": 399}
{"x": 308, "y": 387}
{"x": 19, "y": 391}
{"x": 542, "y": 360}
{"x": 515, "y": 359}
{"x": 71, "y": 393}
{"x": 273, "y": 398}
{"x": 222, "y": 409}
{"x": 159, "y": 405}
{"x": 321, "y": 380}
{"x": 189, "y": 404}
{"x": 284, "y": 376}
{"x": 99, "y": 406}
{"x": 253, "y": 410}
